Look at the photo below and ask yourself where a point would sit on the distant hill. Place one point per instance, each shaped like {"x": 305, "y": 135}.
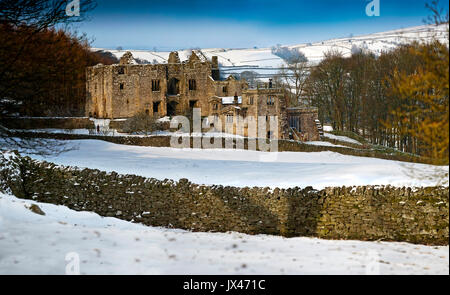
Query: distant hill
{"x": 263, "y": 61}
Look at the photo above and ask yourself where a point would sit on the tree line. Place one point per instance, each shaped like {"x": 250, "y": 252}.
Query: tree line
{"x": 43, "y": 61}
{"x": 42, "y": 66}
{"x": 398, "y": 99}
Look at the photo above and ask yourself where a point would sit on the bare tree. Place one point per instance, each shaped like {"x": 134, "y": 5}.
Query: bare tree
{"x": 21, "y": 21}
{"x": 438, "y": 14}
{"x": 142, "y": 123}
{"x": 37, "y": 15}
{"x": 294, "y": 75}
{"x": 251, "y": 77}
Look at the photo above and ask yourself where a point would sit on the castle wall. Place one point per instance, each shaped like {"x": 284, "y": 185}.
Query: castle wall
{"x": 123, "y": 90}
{"x": 306, "y": 117}
{"x": 99, "y": 92}
{"x": 132, "y": 91}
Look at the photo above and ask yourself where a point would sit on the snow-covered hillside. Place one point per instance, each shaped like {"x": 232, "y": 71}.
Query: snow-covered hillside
{"x": 64, "y": 241}
{"x": 264, "y": 62}
{"x": 247, "y": 168}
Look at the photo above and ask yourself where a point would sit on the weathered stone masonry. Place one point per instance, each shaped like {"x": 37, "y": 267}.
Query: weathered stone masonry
{"x": 175, "y": 88}
{"x": 363, "y": 213}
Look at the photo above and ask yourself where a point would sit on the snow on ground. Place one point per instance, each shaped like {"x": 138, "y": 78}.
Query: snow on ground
{"x": 114, "y": 132}
{"x": 341, "y": 138}
{"x": 324, "y": 143}
{"x": 246, "y": 168}
{"x": 36, "y": 244}
{"x": 56, "y": 131}
{"x": 327, "y": 128}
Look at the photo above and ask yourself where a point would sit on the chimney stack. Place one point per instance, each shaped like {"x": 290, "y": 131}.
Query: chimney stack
{"x": 215, "y": 62}
{"x": 215, "y": 68}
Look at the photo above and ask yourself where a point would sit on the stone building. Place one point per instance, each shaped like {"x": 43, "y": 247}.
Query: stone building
{"x": 175, "y": 88}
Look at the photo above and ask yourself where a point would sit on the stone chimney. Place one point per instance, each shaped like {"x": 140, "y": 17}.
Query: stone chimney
{"x": 215, "y": 62}
{"x": 126, "y": 59}
{"x": 215, "y": 68}
{"x": 174, "y": 58}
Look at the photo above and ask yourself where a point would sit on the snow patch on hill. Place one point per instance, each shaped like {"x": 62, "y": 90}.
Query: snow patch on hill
{"x": 263, "y": 61}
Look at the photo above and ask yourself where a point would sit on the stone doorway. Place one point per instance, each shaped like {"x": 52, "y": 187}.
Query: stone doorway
{"x": 171, "y": 108}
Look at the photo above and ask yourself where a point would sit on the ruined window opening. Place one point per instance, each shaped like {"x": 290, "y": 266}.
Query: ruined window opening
{"x": 294, "y": 123}
{"x": 192, "y": 84}
{"x": 156, "y": 85}
{"x": 229, "y": 118}
{"x": 156, "y": 107}
{"x": 173, "y": 86}
{"x": 121, "y": 86}
{"x": 121, "y": 71}
{"x": 270, "y": 100}
{"x": 215, "y": 106}
{"x": 192, "y": 104}
{"x": 250, "y": 100}
{"x": 225, "y": 90}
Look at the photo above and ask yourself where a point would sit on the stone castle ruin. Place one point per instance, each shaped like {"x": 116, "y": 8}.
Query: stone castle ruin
{"x": 176, "y": 88}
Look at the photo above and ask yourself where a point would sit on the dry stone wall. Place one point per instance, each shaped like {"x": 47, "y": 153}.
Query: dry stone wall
{"x": 362, "y": 213}
{"x": 42, "y": 123}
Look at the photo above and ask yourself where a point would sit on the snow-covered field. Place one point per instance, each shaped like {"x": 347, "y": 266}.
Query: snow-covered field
{"x": 247, "y": 168}
{"x": 324, "y": 143}
{"x": 65, "y": 242}
{"x": 341, "y": 138}
{"x": 113, "y": 132}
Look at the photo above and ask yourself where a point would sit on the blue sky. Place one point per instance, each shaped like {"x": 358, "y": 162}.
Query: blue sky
{"x": 177, "y": 24}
